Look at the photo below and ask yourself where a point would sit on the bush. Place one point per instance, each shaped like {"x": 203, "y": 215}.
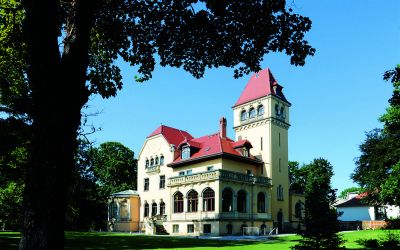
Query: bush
{"x": 392, "y": 224}
{"x": 369, "y": 243}
{"x": 391, "y": 240}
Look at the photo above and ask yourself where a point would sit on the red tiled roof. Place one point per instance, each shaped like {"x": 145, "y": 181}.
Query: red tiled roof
{"x": 241, "y": 143}
{"x": 260, "y": 85}
{"x": 172, "y": 135}
{"x": 211, "y": 145}
{"x": 357, "y": 201}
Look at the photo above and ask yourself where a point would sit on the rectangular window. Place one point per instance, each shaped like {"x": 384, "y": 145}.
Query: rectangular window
{"x": 175, "y": 228}
{"x": 261, "y": 143}
{"x": 188, "y": 172}
{"x": 162, "y": 181}
{"x": 210, "y": 168}
{"x": 280, "y": 169}
{"x": 190, "y": 228}
{"x": 279, "y": 139}
{"x": 181, "y": 173}
{"x": 146, "y": 184}
{"x": 248, "y": 171}
{"x": 207, "y": 228}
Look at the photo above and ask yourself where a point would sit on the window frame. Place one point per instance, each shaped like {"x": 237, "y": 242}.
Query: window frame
{"x": 162, "y": 182}
{"x": 208, "y": 195}
{"x": 146, "y": 183}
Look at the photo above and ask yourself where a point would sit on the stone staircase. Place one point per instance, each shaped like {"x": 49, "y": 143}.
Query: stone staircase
{"x": 160, "y": 230}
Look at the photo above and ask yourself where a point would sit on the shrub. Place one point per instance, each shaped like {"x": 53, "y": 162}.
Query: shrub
{"x": 393, "y": 223}
{"x": 391, "y": 240}
{"x": 369, "y": 243}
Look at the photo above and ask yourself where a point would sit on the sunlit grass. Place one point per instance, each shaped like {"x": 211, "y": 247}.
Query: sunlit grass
{"x": 104, "y": 240}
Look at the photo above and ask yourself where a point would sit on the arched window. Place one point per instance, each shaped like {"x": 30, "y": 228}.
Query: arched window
{"x": 157, "y": 160}
{"x": 261, "y": 202}
{"x": 185, "y": 152}
{"x": 260, "y": 110}
{"x": 192, "y": 201}
{"x": 162, "y": 208}
{"x": 178, "y": 202}
{"x": 227, "y": 198}
{"x": 282, "y": 113}
{"x": 297, "y": 210}
{"x": 151, "y": 162}
{"x": 276, "y": 109}
{"x": 241, "y": 201}
{"x": 124, "y": 210}
{"x": 242, "y": 228}
{"x": 263, "y": 229}
{"x": 162, "y": 160}
{"x": 154, "y": 209}
{"x": 229, "y": 229}
{"x": 147, "y": 163}
{"x": 243, "y": 115}
{"x": 252, "y": 113}
{"x": 113, "y": 210}
{"x": 208, "y": 200}
{"x": 146, "y": 210}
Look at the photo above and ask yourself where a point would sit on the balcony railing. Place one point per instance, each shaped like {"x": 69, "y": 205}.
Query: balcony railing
{"x": 219, "y": 174}
{"x": 201, "y": 215}
{"x": 153, "y": 169}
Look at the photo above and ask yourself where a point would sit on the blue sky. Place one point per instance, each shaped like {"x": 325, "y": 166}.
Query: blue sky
{"x": 336, "y": 97}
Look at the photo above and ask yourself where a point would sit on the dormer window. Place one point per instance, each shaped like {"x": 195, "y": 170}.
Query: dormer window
{"x": 243, "y": 115}
{"x": 245, "y": 152}
{"x": 252, "y": 113}
{"x": 260, "y": 110}
{"x": 162, "y": 160}
{"x": 185, "y": 152}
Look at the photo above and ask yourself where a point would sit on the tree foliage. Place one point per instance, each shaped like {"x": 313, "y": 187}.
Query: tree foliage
{"x": 344, "y": 193}
{"x": 320, "y": 218}
{"x": 114, "y": 167}
{"x": 55, "y": 54}
{"x": 377, "y": 168}
{"x": 297, "y": 176}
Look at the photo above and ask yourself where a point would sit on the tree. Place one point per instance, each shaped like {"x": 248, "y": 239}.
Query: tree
{"x": 114, "y": 167}
{"x": 320, "y": 218}
{"x": 296, "y": 177}
{"x": 64, "y": 51}
{"x": 344, "y": 193}
{"x": 377, "y": 169}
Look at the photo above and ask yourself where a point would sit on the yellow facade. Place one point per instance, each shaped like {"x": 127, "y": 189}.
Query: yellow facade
{"x": 123, "y": 211}
{"x": 268, "y": 133}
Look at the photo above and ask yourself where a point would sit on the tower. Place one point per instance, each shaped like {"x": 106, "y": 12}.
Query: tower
{"x": 261, "y": 115}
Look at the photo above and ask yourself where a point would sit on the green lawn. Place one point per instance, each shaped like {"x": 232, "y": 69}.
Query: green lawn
{"x": 79, "y": 240}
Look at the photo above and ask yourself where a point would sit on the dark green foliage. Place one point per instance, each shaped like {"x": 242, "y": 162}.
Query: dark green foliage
{"x": 344, "y": 193}
{"x": 392, "y": 223}
{"x": 378, "y": 167}
{"x": 320, "y": 217}
{"x": 114, "y": 167}
{"x": 99, "y": 172}
{"x": 370, "y": 243}
{"x": 391, "y": 240}
{"x": 14, "y": 138}
{"x": 296, "y": 177}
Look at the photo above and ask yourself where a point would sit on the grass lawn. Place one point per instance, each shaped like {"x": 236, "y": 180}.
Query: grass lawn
{"x": 115, "y": 241}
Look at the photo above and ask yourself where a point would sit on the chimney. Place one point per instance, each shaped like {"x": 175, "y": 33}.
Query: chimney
{"x": 222, "y": 127}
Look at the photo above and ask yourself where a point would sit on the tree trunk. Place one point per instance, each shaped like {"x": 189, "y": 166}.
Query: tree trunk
{"x": 58, "y": 94}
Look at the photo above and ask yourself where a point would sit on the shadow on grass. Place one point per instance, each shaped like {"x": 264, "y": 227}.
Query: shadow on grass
{"x": 125, "y": 241}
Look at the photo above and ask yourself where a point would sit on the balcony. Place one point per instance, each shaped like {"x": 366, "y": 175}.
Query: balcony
{"x": 218, "y": 174}
{"x": 153, "y": 169}
{"x": 201, "y": 215}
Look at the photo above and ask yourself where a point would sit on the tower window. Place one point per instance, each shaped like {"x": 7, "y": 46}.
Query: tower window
{"x": 243, "y": 115}
{"x": 252, "y": 113}
{"x": 162, "y": 160}
{"x": 185, "y": 152}
{"x": 279, "y": 139}
{"x": 260, "y": 110}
